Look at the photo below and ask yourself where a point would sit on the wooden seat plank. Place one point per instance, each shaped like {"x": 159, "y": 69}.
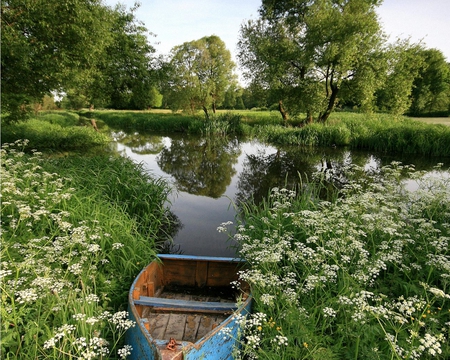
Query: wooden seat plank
{"x": 186, "y": 304}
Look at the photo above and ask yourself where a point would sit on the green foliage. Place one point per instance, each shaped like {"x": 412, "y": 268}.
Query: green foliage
{"x": 380, "y": 132}
{"x": 43, "y": 134}
{"x": 431, "y": 88}
{"x": 224, "y": 124}
{"x": 74, "y": 100}
{"x": 149, "y": 121}
{"x": 41, "y": 51}
{"x": 71, "y": 245}
{"x": 125, "y": 184}
{"x": 155, "y": 98}
{"x": 394, "y": 96}
{"x": 200, "y": 73}
{"x": 315, "y": 52}
{"x": 363, "y": 276}
{"x": 48, "y": 103}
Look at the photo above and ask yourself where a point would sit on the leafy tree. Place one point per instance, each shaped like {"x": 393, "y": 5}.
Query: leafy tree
{"x": 404, "y": 63}
{"x": 255, "y": 96}
{"x": 124, "y": 76}
{"x": 156, "y": 98}
{"x": 431, "y": 88}
{"x": 44, "y": 43}
{"x": 232, "y": 96}
{"x": 201, "y": 71}
{"x": 306, "y": 49}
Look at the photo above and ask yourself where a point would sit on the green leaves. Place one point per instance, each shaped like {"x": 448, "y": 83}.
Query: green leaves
{"x": 308, "y": 48}
{"x": 201, "y": 72}
{"x": 40, "y": 50}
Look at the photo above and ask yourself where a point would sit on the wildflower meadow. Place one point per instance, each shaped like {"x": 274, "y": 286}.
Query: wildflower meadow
{"x": 67, "y": 260}
{"x": 362, "y": 276}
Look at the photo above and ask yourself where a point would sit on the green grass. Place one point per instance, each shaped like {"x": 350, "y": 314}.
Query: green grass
{"x": 75, "y": 233}
{"x": 364, "y": 276}
{"x": 159, "y": 122}
{"x": 56, "y": 131}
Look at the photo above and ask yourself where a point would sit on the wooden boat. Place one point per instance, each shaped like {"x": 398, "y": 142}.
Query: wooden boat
{"x": 182, "y": 304}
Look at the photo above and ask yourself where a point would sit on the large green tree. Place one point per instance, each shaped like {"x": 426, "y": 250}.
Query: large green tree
{"x": 431, "y": 87}
{"x": 123, "y": 78}
{"x": 126, "y": 73}
{"x": 44, "y": 43}
{"x": 306, "y": 49}
{"x": 201, "y": 72}
{"x": 404, "y": 63}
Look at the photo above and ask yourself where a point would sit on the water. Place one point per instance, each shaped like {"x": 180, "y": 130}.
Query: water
{"x": 210, "y": 175}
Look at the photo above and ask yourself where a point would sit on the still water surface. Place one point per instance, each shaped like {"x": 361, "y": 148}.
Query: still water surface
{"x": 210, "y": 175}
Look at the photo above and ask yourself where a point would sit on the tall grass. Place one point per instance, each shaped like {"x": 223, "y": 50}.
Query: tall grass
{"x": 378, "y": 132}
{"x": 365, "y": 276}
{"x": 223, "y": 123}
{"x": 56, "y": 131}
{"x": 124, "y": 184}
{"x": 71, "y": 244}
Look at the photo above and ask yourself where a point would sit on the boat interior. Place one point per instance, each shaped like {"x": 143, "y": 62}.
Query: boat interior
{"x": 181, "y": 300}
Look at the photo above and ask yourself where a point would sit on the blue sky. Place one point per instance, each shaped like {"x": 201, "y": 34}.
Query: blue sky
{"x": 177, "y": 21}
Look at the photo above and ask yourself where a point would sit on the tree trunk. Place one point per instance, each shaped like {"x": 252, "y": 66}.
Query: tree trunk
{"x": 283, "y": 112}
{"x": 331, "y": 103}
{"x": 214, "y": 107}
{"x": 206, "y": 112}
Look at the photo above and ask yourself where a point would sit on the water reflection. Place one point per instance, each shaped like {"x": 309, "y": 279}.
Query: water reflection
{"x": 201, "y": 166}
{"x": 209, "y": 174}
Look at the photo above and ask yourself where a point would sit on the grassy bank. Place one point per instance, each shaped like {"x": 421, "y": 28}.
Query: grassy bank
{"x": 378, "y": 132}
{"x": 75, "y": 233}
{"x": 365, "y": 276}
{"x": 55, "y": 131}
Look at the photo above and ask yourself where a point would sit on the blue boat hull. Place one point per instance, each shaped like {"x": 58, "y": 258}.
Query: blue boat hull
{"x": 218, "y": 344}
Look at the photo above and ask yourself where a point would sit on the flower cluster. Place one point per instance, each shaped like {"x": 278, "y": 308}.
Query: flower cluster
{"x": 375, "y": 243}
{"x": 50, "y": 295}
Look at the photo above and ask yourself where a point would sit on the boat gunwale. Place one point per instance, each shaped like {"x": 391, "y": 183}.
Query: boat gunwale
{"x": 185, "y": 345}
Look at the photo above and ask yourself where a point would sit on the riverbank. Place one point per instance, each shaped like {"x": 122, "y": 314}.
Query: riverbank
{"x": 363, "y": 275}
{"x": 377, "y": 132}
{"x": 75, "y": 233}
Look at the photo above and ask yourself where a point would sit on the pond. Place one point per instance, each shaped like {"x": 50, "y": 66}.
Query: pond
{"x": 210, "y": 175}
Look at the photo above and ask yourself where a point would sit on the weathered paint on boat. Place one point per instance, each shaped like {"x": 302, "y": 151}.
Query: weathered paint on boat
{"x": 215, "y": 345}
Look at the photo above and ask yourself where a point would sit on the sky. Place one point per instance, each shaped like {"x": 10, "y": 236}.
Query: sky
{"x": 177, "y": 21}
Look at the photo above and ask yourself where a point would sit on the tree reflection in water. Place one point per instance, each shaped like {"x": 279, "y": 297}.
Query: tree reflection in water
{"x": 208, "y": 173}
{"x": 201, "y": 166}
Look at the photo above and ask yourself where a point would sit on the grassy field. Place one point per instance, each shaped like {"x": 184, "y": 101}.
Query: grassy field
{"x": 442, "y": 121}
